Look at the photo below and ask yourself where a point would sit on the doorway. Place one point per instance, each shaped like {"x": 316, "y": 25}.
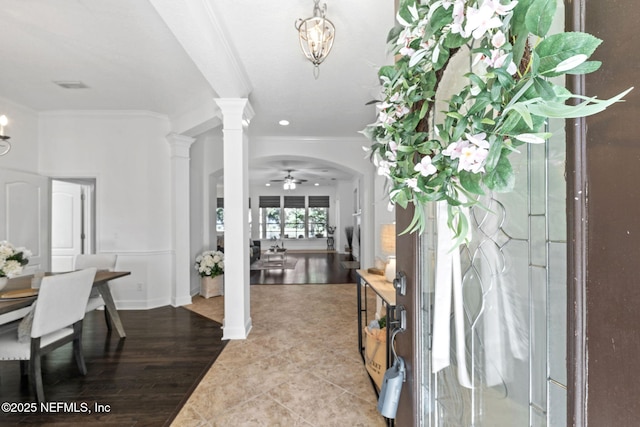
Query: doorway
{"x": 72, "y": 221}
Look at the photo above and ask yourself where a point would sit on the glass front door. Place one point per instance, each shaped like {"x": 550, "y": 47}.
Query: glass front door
{"x": 507, "y": 339}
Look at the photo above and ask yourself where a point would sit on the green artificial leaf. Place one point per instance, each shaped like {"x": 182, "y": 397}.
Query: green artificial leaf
{"x": 519, "y": 31}
{"x": 453, "y": 41}
{"x": 417, "y": 57}
{"x": 495, "y": 151}
{"x": 476, "y": 80}
{"x": 589, "y": 107}
{"x": 439, "y": 19}
{"x": 543, "y": 88}
{"x": 392, "y": 37}
{"x": 471, "y": 182}
{"x": 418, "y": 223}
{"x": 482, "y": 100}
{"x": 459, "y": 130}
{"x": 524, "y": 113}
{"x": 400, "y": 198}
{"x": 403, "y": 148}
{"x": 404, "y": 10}
{"x": 410, "y": 121}
{"x": 461, "y": 230}
{"x": 496, "y": 92}
{"x": 501, "y": 178}
{"x": 585, "y": 68}
{"x": 505, "y": 79}
{"x": 424, "y": 110}
{"x": 388, "y": 71}
{"x": 540, "y": 16}
{"x": 559, "y": 47}
{"x": 443, "y": 58}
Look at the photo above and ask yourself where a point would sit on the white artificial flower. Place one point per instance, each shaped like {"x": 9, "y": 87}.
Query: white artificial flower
{"x": 498, "y": 40}
{"x": 425, "y": 167}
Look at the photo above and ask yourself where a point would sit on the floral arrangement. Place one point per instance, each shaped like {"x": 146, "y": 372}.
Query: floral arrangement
{"x": 210, "y": 263}
{"x": 12, "y": 259}
{"x": 505, "y": 103}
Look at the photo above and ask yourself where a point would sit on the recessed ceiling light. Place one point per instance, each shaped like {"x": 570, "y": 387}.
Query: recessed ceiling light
{"x": 283, "y": 122}
{"x": 268, "y": 185}
{"x": 71, "y": 84}
{"x": 316, "y": 184}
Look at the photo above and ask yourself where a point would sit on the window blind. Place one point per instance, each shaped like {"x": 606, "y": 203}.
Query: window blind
{"x": 269, "y": 201}
{"x": 294, "y": 201}
{"x": 319, "y": 201}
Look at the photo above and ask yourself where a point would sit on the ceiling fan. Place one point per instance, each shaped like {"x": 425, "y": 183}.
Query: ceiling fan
{"x": 289, "y": 181}
{"x": 289, "y": 178}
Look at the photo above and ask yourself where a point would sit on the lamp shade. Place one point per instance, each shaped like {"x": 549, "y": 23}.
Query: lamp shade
{"x": 388, "y": 239}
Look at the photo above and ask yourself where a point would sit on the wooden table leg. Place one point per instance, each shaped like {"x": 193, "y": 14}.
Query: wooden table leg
{"x": 110, "y": 307}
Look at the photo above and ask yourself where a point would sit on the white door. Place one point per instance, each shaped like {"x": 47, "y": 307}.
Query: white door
{"x": 24, "y": 215}
{"x": 66, "y": 224}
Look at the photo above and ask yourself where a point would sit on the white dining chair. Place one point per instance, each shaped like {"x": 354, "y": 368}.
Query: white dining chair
{"x": 100, "y": 262}
{"x": 56, "y": 319}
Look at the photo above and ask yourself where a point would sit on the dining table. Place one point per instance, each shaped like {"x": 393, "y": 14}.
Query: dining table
{"x": 9, "y": 302}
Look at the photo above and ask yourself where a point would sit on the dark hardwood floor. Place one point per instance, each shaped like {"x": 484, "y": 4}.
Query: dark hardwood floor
{"x": 144, "y": 379}
{"x": 311, "y": 268}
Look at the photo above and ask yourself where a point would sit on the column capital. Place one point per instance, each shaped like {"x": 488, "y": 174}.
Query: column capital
{"x": 235, "y": 111}
{"x": 179, "y": 144}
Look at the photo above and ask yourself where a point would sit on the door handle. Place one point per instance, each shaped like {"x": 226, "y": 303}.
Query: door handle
{"x": 400, "y": 283}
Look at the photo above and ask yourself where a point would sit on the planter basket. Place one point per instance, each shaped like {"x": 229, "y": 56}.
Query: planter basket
{"x": 375, "y": 354}
{"x": 212, "y": 286}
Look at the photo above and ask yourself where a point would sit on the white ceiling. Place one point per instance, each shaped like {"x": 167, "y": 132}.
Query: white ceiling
{"x": 133, "y": 59}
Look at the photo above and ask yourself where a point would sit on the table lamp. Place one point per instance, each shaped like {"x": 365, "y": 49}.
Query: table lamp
{"x": 388, "y": 244}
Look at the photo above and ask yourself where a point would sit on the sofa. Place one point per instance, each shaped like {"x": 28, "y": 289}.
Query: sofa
{"x": 254, "y": 251}
{"x": 254, "y": 248}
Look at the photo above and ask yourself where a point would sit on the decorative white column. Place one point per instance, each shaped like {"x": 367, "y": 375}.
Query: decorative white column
{"x": 237, "y": 304}
{"x": 181, "y": 285}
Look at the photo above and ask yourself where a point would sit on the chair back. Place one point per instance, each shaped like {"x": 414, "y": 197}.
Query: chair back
{"x": 62, "y": 300}
{"x": 99, "y": 261}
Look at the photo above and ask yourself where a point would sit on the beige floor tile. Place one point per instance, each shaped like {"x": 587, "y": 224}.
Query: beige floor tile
{"x": 258, "y": 413}
{"x": 300, "y": 365}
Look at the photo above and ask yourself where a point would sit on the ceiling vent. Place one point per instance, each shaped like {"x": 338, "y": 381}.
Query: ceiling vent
{"x": 71, "y": 85}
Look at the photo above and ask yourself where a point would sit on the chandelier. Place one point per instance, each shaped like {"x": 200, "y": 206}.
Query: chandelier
{"x": 5, "y": 145}
{"x": 316, "y": 36}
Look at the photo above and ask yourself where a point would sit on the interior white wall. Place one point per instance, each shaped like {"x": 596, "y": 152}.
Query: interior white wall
{"x": 206, "y": 160}
{"x": 128, "y": 155}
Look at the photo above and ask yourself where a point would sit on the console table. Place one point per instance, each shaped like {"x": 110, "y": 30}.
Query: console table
{"x": 387, "y": 293}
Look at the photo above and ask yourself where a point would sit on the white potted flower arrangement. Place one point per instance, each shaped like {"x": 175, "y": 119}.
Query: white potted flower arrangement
{"x": 12, "y": 260}
{"x": 210, "y": 266}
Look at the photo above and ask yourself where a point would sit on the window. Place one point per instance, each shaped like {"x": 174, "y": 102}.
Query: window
{"x": 318, "y": 216}
{"x": 295, "y": 215}
{"x": 220, "y": 215}
{"x": 270, "y": 224}
{"x": 296, "y": 219}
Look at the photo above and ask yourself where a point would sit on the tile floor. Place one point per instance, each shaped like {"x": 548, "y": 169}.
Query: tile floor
{"x": 298, "y": 367}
